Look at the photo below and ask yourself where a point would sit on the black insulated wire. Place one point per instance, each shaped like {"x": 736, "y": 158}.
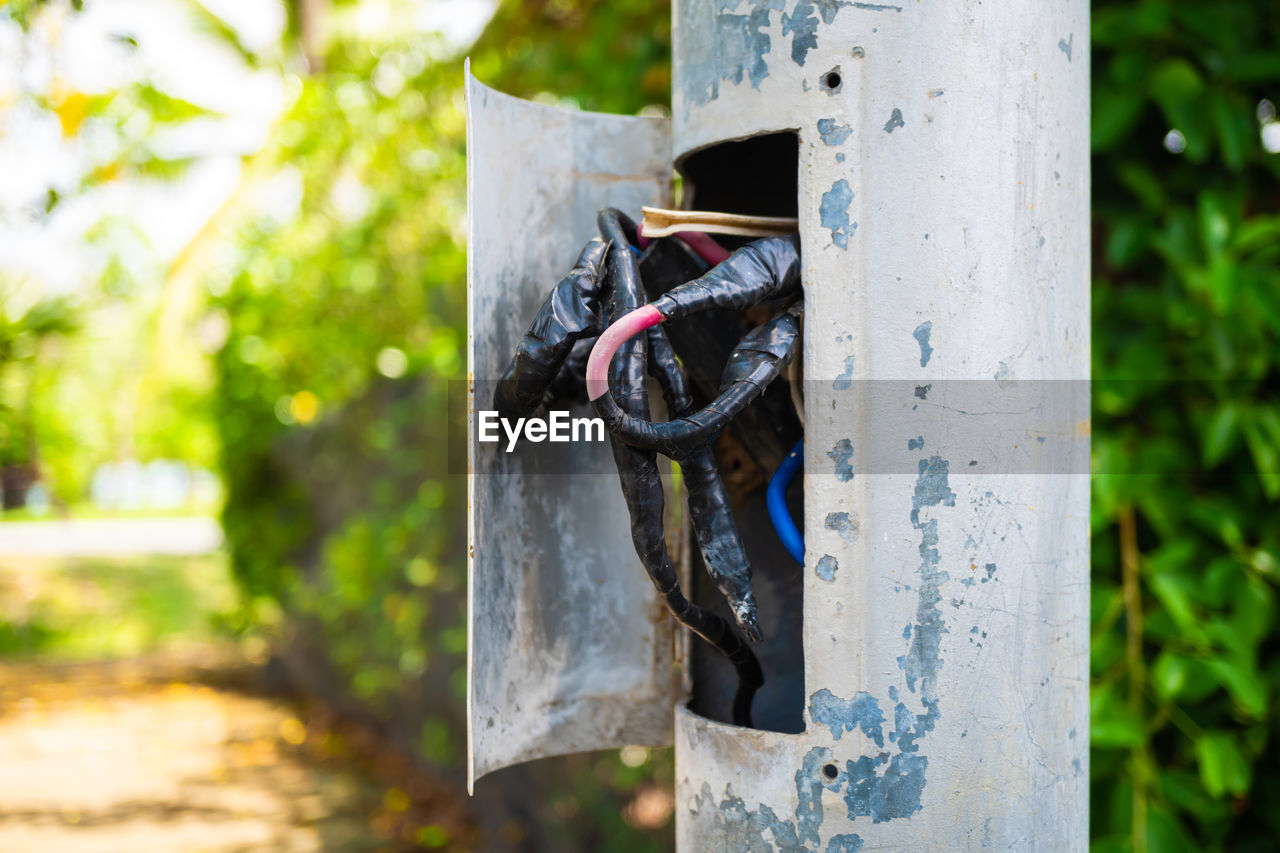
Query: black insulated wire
{"x": 549, "y": 363}
{"x": 642, "y": 485}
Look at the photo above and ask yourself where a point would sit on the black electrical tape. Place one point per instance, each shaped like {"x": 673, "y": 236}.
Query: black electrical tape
{"x": 769, "y": 427}
{"x": 570, "y": 384}
{"x": 718, "y": 539}
{"x": 759, "y": 271}
{"x": 641, "y": 484}
{"x": 755, "y": 362}
{"x": 570, "y": 312}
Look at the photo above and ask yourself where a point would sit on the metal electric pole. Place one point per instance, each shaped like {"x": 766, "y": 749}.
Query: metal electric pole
{"x": 937, "y": 160}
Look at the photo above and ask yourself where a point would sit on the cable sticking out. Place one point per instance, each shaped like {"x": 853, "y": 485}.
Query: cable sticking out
{"x": 776, "y": 500}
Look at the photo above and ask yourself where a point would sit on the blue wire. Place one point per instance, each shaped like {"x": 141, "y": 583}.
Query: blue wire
{"x": 776, "y": 499}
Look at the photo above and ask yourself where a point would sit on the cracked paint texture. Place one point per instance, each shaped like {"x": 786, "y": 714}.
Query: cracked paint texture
{"x": 741, "y": 41}
{"x": 888, "y": 784}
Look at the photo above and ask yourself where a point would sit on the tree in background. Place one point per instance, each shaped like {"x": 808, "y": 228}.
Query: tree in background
{"x": 1187, "y": 433}
{"x": 28, "y": 330}
{"x": 1186, "y": 327}
{"x": 337, "y": 325}
{"x": 116, "y": 150}
{"x": 346, "y": 313}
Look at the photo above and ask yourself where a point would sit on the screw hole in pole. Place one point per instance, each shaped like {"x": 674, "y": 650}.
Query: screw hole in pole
{"x": 830, "y": 771}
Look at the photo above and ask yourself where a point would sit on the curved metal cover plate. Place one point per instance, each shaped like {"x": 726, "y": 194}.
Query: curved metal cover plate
{"x": 568, "y": 648}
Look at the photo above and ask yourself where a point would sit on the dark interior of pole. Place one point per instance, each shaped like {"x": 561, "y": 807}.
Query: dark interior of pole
{"x": 756, "y": 176}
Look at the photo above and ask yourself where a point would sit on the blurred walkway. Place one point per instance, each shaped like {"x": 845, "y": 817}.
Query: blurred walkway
{"x": 132, "y": 720}
{"x": 141, "y": 756}
{"x": 170, "y": 754}
{"x": 109, "y": 537}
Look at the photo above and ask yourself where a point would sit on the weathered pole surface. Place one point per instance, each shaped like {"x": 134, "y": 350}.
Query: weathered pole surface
{"x": 944, "y": 193}
{"x": 568, "y": 649}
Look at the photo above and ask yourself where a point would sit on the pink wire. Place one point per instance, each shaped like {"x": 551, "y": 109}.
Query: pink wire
{"x": 706, "y": 248}
{"x": 631, "y": 323}
{"x": 709, "y": 250}
{"x": 637, "y": 321}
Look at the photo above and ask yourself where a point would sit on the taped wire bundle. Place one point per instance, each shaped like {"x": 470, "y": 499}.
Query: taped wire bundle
{"x": 588, "y": 332}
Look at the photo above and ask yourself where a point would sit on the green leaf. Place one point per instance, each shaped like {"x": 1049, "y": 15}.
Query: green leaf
{"x": 1243, "y": 683}
{"x": 1175, "y": 81}
{"x": 1169, "y": 674}
{"x": 1223, "y": 769}
{"x": 1215, "y": 225}
{"x": 1266, "y": 456}
{"x": 1144, "y": 184}
{"x": 1236, "y": 127}
{"x": 1115, "y": 112}
{"x": 1257, "y": 233}
{"x": 1112, "y": 725}
{"x": 1220, "y": 433}
{"x": 1253, "y": 616}
{"x": 1174, "y": 593}
{"x": 1165, "y": 833}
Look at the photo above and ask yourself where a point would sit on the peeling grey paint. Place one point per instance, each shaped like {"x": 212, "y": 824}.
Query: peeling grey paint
{"x": 841, "y": 523}
{"x": 895, "y": 121}
{"x": 829, "y": 9}
{"x": 846, "y": 715}
{"x": 1064, "y": 45}
{"x": 896, "y": 793}
{"x": 835, "y": 212}
{"x": 921, "y": 334}
{"x": 741, "y": 40}
{"x": 827, "y": 567}
{"x": 850, "y": 843}
{"x": 923, "y": 659}
{"x": 844, "y": 381}
{"x": 922, "y": 391}
{"x": 916, "y": 443}
{"x": 833, "y": 133}
{"x": 842, "y": 454}
{"x": 736, "y": 828}
{"x": 802, "y": 26}
{"x": 738, "y": 49}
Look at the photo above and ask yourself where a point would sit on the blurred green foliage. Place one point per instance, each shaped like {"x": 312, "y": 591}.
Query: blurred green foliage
{"x": 28, "y": 324}
{"x": 344, "y": 311}
{"x": 346, "y": 317}
{"x": 1186, "y": 527}
{"x": 109, "y": 379}
{"x": 1187, "y": 433}
{"x": 98, "y": 608}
